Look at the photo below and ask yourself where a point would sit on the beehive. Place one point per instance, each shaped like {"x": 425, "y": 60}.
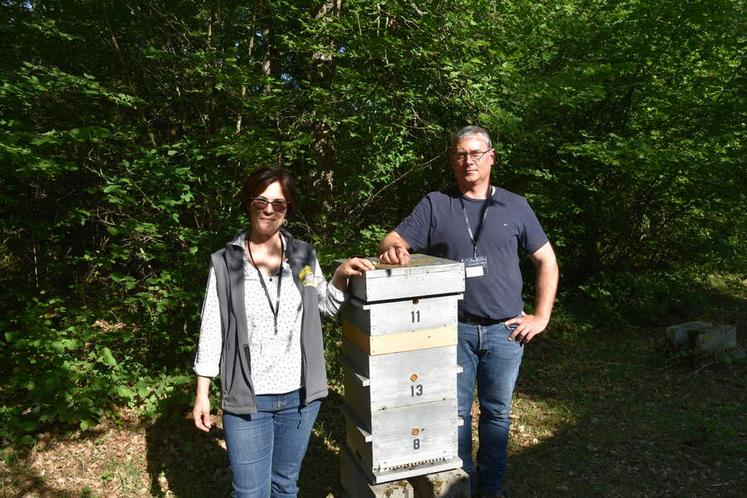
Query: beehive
{"x": 400, "y": 369}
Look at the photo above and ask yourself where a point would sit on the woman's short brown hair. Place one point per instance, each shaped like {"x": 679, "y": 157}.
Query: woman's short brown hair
{"x": 258, "y": 181}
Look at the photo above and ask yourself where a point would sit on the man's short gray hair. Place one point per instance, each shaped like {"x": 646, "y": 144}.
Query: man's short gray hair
{"x": 467, "y": 131}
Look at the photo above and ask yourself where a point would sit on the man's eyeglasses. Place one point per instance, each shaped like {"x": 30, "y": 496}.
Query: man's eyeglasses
{"x": 261, "y": 203}
{"x": 476, "y": 155}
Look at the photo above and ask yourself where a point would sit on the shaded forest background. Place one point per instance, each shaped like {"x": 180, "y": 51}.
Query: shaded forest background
{"x": 126, "y": 128}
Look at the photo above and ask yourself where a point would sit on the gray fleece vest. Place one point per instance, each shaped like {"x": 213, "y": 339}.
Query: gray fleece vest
{"x": 237, "y": 392}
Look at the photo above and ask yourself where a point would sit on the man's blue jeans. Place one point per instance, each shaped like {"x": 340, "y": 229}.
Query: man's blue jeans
{"x": 486, "y": 355}
{"x": 266, "y": 448}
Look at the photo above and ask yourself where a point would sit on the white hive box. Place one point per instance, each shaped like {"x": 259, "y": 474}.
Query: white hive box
{"x": 406, "y": 441}
{"x": 390, "y": 381}
{"x": 423, "y": 276}
{"x": 403, "y": 325}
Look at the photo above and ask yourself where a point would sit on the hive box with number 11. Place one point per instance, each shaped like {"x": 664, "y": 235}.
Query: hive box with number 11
{"x": 399, "y": 366}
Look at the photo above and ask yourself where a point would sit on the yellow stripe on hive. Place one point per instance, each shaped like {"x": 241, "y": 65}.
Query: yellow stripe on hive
{"x": 401, "y": 342}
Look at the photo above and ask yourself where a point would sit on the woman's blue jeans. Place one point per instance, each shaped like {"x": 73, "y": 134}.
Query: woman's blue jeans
{"x": 266, "y": 448}
{"x": 487, "y": 356}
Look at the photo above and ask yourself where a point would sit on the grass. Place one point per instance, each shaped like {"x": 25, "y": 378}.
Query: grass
{"x": 122, "y": 477}
{"x": 597, "y": 413}
{"x": 614, "y": 415}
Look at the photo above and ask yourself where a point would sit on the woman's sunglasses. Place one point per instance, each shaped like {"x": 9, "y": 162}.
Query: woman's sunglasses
{"x": 261, "y": 203}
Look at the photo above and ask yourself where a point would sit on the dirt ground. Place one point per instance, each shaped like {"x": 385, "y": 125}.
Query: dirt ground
{"x": 610, "y": 416}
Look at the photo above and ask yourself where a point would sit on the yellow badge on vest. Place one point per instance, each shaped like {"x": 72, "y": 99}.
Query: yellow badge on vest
{"x": 306, "y": 276}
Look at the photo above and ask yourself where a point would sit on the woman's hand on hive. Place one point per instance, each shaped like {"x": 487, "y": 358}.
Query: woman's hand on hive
{"x": 354, "y": 267}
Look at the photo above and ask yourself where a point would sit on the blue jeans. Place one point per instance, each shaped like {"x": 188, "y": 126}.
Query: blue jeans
{"x": 486, "y": 355}
{"x": 266, "y": 448}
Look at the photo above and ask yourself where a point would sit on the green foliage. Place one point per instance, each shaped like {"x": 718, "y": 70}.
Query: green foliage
{"x": 67, "y": 367}
{"x": 125, "y": 131}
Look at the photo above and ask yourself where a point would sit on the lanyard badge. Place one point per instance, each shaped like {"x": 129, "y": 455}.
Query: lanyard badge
{"x": 476, "y": 266}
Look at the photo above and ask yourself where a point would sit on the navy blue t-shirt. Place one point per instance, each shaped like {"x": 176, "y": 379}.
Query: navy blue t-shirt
{"x": 437, "y": 226}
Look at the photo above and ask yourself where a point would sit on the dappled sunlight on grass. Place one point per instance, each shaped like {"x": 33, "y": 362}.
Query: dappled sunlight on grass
{"x": 596, "y": 413}
{"x": 535, "y": 421}
{"x": 110, "y": 463}
{"x": 614, "y": 414}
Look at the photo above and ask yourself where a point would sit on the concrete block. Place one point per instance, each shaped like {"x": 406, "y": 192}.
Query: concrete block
{"x": 679, "y": 335}
{"x": 703, "y": 336}
{"x": 449, "y": 484}
{"x": 718, "y": 338}
{"x": 355, "y": 482}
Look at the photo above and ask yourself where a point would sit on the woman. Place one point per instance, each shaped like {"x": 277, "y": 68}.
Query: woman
{"x": 261, "y": 332}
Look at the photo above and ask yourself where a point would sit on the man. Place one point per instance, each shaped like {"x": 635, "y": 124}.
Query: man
{"x": 484, "y": 227}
